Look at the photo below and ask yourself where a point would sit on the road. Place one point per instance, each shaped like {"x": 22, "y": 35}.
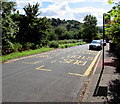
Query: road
{"x": 53, "y": 76}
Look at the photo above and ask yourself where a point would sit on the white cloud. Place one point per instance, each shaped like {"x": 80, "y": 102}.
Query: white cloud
{"x": 60, "y": 9}
{"x": 21, "y": 3}
{"x": 63, "y": 11}
{"x": 98, "y": 12}
{"x": 24, "y": 2}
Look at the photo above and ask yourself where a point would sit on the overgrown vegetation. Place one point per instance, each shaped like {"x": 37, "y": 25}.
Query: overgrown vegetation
{"x": 113, "y": 27}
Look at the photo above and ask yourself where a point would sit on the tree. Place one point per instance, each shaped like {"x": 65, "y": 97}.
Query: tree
{"x": 113, "y": 27}
{"x": 90, "y": 28}
{"x": 55, "y": 22}
{"x": 61, "y": 31}
{"x": 33, "y": 29}
{"x": 32, "y": 10}
{"x": 51, "y": 34}
{"x": 9, "y": 27}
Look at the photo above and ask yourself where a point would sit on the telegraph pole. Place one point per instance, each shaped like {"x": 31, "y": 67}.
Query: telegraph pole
{"x": 103, "y": 39}
{"x": 97, "y": 86}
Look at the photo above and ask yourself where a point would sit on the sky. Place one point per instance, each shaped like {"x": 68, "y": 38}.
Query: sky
{"x": 69, "y": 9}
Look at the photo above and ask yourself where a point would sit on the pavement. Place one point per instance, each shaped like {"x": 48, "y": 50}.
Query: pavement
{"x": 98, "y": 88}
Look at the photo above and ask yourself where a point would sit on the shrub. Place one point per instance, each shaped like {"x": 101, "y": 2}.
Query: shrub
{"x": 11, "y": 47}
{"x": 69, "y": 41}
{"x": 28, "y": 45}
{"x": 37, "y": 46}
{"x": 17, "y": 46}
{"x": 62, "y": 47}
{"x": 54, "y": 44}
{"x": 44, "y": 42}
{"x": 66, "y": 46}
{"x": 8, "y": 48}
{"x": 40, "y": 45}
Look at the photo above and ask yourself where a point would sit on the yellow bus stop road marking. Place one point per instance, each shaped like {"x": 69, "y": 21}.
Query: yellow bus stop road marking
{"x": 39, "y": 68}
{"x": 89, "y": 68}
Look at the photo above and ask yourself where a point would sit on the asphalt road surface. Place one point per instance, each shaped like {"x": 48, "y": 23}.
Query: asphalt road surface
{"x": 53, "y": 76}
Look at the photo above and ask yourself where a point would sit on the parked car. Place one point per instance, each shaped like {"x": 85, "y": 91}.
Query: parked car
{"x": 104, "y": 43}
{"x": 95, "y": 44}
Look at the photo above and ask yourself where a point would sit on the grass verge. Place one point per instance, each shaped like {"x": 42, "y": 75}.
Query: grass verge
{"x": 24, "y": 53}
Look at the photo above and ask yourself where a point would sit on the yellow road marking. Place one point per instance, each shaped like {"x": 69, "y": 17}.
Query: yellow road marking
{"x": 19, "y": 58}
{"x": 84, "y": 63}
{"x": 44, "y": 69}
{"x": 7, "y": 62}
{"x": 83, "y": 57}
{"x": 13, "y": 60}
{"x": 24, "y": 57}
{"x": 89, "y": 58}
{"x": 76, "y": 74}
{"x": 79, "y": 56}
{"x": 53, "y": 61}
{"x": 39, "y": 68}
{"x": 67, "y": 61}
{"x": 80, "y": 62}
{"x": 91, "y": 65}
{"x": 32, "y": 62}
{"x": 89, "y": 68}
{"x": 62, "y": 57}
{"x": 73, "y": 56}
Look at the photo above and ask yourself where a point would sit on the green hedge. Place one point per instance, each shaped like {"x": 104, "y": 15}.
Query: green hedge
{"x": 69, "y": 41}
{"x": 54, "y": 44}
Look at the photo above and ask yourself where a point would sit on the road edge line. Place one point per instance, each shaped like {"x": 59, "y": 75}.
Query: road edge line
{"x": 90, "y": 70}
{"x": 92, "y": 65}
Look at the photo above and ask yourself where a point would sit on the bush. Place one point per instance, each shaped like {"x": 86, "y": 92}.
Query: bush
{"x": 66, "y": 46}
{"x": 69, "y": 41}
{"x": 11, "y": 47}
{"x": 17, "y": 46}
{"x": 7, "y": 48}
{"x": 37, "y": 46}
{"x": 28, "y": 45}
{"x": 54, "y": 44}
